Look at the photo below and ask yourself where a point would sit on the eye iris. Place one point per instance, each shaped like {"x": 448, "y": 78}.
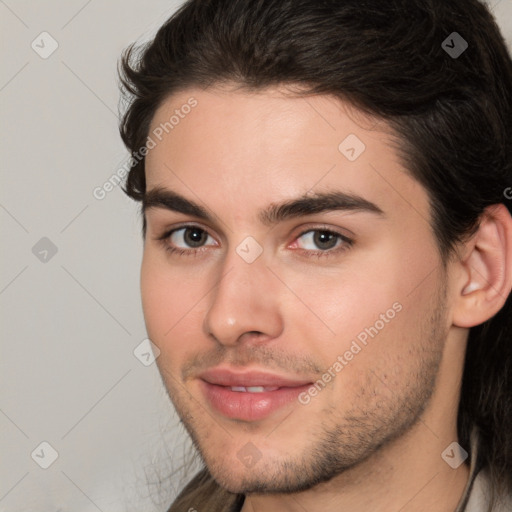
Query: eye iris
{"x": 325, "y": 237}
{"x": 196, "y": 237}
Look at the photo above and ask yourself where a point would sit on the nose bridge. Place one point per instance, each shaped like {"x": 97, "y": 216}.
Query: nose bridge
{"x": 244, "y": 299}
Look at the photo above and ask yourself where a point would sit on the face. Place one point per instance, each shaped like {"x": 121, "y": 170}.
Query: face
{"x": 281, "y": 254}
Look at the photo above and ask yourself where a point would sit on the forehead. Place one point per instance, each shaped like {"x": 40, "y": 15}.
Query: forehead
{"x": 252, "y": 148}
{"x": 273, "y": 120}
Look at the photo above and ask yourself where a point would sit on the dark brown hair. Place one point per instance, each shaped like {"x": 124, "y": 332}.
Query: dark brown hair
{"x": 452, "y": 115}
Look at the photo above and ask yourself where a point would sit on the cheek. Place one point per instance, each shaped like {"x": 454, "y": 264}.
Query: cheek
{"x": 173, "y": 310}
{"x": 166, "y": 299}
{"x": 155, "y": 299}
{"x": 381, "y": 298}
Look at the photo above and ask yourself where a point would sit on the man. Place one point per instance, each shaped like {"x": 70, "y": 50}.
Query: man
{"x": 328, "y": 250}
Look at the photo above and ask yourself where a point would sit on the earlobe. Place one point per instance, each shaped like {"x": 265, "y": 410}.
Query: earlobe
{"x": 486, "y": 277}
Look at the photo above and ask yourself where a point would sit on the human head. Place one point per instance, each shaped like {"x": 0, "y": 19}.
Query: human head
{"x": 452, "y": 118}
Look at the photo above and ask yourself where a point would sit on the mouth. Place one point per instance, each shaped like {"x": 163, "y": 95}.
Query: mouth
{"x": 252, "y": 389}
{"x": 249, "y": 396}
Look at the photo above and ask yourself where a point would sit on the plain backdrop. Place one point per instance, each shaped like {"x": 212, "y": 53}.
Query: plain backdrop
{"x": 76, "y": 391}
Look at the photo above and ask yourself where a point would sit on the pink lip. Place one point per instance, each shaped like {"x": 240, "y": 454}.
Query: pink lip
{"x": 215, "y": 385}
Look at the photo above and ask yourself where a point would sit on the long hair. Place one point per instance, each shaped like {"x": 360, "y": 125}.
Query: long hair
{"x": 452, "y": 114}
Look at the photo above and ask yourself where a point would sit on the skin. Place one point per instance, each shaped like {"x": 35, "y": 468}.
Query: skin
{"x": 373, "y": 438}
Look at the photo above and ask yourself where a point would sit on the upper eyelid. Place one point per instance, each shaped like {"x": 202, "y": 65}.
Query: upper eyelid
{"x": 168, "y": 232}
{"x": 199, "y": 223}
{"x": 172, "y": 231}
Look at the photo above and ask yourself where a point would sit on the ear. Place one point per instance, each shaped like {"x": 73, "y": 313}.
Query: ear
{"x": 485, "y": 280}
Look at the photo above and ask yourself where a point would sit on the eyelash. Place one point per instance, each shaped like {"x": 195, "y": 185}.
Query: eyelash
{"x": 347, "y": 243}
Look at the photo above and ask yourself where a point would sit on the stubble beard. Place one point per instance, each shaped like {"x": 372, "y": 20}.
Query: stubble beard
{"x": 381, "y": 413}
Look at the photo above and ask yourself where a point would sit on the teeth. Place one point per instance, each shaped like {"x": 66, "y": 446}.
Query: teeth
{"x": 252, "y": 389}
{"x": 255, "y": 389}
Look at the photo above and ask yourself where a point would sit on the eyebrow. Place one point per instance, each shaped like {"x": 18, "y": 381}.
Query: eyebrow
{"x": 307, "y": 204}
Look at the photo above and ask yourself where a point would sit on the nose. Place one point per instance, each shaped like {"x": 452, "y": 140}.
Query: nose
{"x": 245, "y": 303}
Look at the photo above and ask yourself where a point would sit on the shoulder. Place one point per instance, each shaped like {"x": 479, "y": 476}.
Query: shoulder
{"x": 204, "y": 493}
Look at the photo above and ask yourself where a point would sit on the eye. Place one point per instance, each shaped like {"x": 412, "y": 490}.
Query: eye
{"x": 322, "y": 242}
{"x": 185, "y": 240}
{"x": 191, "y": 235}
{"x": 191, "y": 240}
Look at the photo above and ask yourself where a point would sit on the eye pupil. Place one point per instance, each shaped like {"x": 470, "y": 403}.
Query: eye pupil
{"x": 196, "y": 237}
{"x": 325, "y": 237}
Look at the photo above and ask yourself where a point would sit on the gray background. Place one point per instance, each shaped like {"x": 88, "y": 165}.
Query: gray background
{"x": 72, "y": 320}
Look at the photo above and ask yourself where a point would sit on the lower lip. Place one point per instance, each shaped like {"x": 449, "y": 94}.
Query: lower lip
{"x": 249, "y": 406}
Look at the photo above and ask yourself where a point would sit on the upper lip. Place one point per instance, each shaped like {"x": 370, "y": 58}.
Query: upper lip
{"x": 226, "y": 377}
